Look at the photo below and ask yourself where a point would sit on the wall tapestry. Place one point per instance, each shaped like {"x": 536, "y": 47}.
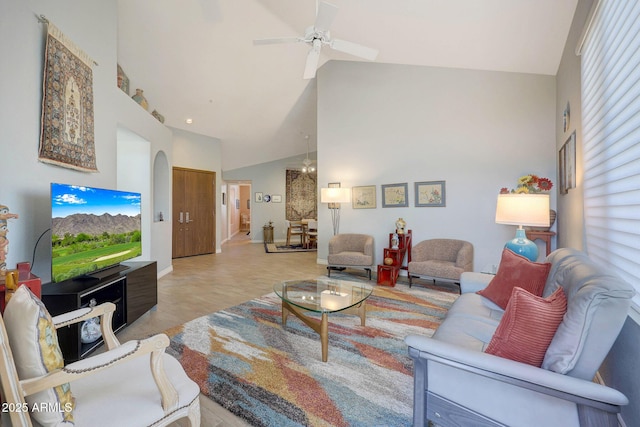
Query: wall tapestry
{"x": 67, "y": 136}
{"x": 302, "y": 195}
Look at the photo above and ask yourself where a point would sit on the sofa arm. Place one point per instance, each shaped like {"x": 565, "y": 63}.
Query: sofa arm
{"x": 473, "y": 282}
{"x": 565, "y": 387}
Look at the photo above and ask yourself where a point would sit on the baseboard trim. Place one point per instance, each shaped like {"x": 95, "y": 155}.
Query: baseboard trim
{"x": 165, "y": 271}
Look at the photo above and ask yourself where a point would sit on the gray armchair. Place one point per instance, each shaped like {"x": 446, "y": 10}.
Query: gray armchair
{"x": 350, "y": 251}
{"x": 443, "y": 259}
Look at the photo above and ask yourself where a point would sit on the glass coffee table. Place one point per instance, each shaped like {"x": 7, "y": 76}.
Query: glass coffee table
{"x": 324, "y": 296}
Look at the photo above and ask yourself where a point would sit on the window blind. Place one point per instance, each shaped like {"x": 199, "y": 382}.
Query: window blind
{"x": 611, "y": 138}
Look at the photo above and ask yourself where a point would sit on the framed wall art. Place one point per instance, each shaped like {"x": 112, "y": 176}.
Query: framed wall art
{"x": 363, "y": 197}
{"x": 395, "y": 195}
{"x": 276, "y": 198}
{"x": 258, "y": 197}
{"x": 430, "y": 194}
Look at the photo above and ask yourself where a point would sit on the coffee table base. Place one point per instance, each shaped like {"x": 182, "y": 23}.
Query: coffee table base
{"x": 322, "y": 326}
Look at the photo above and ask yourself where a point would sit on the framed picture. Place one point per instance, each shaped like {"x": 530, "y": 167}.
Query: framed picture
{"x": 567, "y": 164}
{"x": 363, "y": 197}
{"x": 394, "y": 195}
{"x": 258, "y": 197}
{"x": 430, "y": 193}
{"x": 276, "y": 198}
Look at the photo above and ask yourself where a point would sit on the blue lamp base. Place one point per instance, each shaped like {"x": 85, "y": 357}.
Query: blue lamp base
{"x": 523, "y": 246}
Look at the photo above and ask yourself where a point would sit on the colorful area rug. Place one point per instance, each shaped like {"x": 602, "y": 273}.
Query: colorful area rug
{"x": 272, "y": 248}
{"x": 244, "y": 360}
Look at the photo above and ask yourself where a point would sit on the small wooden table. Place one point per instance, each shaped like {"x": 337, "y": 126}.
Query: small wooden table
{"x": 542, "y": 235}
{"x": 322, "y": 296}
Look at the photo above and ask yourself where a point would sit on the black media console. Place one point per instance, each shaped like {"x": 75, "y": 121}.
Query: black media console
{"x": 134, "y": 291}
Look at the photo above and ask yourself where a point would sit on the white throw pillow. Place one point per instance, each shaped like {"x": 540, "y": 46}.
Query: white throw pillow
{"x": 34, "y": 344}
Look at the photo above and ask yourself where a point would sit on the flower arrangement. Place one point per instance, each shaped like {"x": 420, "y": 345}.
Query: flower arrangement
{"x": 530, "y": 184}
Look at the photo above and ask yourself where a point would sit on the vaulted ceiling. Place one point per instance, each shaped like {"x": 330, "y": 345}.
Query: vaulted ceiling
{"x": 196, "y": 58}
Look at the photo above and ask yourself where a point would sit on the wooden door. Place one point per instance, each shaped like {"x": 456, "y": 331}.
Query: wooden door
{"x": 193, "y": 212}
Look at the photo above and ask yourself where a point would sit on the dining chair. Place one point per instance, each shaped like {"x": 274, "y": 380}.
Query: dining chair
{"x": 295, "y": 228}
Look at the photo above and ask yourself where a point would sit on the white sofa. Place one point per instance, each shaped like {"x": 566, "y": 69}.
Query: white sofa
{"x": 457, "y": 383}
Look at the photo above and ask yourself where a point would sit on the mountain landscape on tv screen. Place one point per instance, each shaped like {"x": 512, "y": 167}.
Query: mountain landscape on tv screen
{"x": 95, "y": 224}
{"x": 83, "y": 243}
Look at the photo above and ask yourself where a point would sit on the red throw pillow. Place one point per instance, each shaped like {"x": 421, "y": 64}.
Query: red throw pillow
{"x": 528, "y": 326}
{"x": 515, "y": 270}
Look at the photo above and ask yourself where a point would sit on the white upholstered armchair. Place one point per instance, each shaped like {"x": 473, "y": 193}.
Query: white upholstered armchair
{"x": 350, "y": 250}
{"x": 133, "y": 384}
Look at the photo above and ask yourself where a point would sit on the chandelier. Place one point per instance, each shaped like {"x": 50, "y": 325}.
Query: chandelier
{"x": 307, "y": 165}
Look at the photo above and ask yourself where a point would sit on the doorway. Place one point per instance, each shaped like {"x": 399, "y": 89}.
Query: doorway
{"x": 194, "y": 231}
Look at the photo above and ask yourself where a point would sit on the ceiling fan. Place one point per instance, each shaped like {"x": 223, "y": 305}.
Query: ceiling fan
{"x": 318, "y": 35}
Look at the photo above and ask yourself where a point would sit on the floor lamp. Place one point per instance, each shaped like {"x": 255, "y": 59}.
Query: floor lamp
{"x": 523, "y": 209}
{"x": 335, "y": 196}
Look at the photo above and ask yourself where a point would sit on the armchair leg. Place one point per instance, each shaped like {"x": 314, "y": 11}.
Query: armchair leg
{"x": 409, "y": 274}
{"x": 369, "y": 272}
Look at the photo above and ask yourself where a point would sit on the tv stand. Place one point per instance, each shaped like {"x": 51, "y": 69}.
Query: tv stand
{"x": 133, "y": 290}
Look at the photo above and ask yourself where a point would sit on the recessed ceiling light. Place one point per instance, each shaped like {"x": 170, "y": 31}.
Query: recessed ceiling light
{"x": 189, "y": 121}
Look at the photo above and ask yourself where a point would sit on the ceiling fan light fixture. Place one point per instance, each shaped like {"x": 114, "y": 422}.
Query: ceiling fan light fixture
{"x": 307, "y": 165}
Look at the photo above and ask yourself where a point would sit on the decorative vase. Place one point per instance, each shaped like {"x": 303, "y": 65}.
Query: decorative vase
{"x": 400, "y": 225}
{"x": 395, "y": 241}
{"x": 123, "y": 80}
{"x": 158, "y": 116}
{"x": 140, "y": 99}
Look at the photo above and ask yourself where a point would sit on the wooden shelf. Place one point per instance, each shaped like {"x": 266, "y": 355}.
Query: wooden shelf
{"x": 388, "y": 274}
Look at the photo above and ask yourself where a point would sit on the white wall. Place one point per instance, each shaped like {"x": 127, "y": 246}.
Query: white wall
{"x": 478, "y": 131}
{"x": 24, "y": 185}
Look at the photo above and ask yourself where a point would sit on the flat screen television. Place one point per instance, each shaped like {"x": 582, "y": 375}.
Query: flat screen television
{"x": 92, "y": 230}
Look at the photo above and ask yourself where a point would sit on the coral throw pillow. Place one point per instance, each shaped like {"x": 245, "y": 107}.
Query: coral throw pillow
{"x": 528, "y": 326}
{"x": 515, "y": 270}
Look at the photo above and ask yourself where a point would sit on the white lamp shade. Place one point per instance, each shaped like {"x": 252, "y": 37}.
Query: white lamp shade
{"x": 335, "y": 195}
{"x": 523, "y": 209}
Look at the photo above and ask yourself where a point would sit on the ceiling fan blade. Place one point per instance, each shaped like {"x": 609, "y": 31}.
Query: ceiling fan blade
{"x": 313, "y": 57}
{"x": 276, "y": 40}
{"x": 354, "y": 49}
{"x": 326, "y": 14}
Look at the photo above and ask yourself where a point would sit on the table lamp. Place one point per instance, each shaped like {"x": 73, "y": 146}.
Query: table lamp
{"x": 523, "y": 210}
{"x": 334, "y": 196}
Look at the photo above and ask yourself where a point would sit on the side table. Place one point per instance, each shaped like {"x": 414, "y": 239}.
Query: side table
{"x": 542, "y": 235}
{"x": 267, "y": 232}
